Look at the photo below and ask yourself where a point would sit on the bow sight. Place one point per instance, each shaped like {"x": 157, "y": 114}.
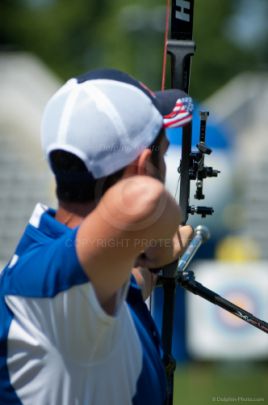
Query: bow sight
{"x": 192, "y": 166}
{"x": 198, "y": 171}
{"x": 181, "y": 48}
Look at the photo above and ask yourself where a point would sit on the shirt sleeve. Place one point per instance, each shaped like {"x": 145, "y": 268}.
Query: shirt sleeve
{"x": 45, "y": 269}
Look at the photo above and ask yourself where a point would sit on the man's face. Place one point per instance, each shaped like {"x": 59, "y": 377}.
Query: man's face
{"x": 158, "y": 158}
{"x": 162, "y": 164}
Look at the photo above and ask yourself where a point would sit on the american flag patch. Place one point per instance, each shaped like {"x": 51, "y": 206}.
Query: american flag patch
{"x": 181, "y": 114}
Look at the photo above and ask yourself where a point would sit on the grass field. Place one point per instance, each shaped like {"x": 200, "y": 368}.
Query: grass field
{"x": 205, "y": 384}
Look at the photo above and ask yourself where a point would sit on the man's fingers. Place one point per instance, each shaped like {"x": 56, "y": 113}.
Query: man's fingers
{"x": 184, "y": 235}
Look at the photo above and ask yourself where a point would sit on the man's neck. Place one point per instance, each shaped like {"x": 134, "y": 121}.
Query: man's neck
{"x": 72, "y": 214}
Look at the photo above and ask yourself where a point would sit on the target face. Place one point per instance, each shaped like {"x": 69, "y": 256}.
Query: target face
{"x": 242, "y": 297}
{"x": 214, "y": 333}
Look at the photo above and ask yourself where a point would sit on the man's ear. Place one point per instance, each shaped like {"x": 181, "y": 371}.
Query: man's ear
{"x": 143, "y": 162}
{"x": 140, "y": 166}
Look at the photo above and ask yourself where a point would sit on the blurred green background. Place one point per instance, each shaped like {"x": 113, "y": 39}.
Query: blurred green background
{"x": 71, "y": 37}
{"x": 204, "y": 384}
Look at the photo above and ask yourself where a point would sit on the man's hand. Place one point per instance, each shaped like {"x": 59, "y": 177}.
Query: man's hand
{"x": 157, "y": 256}
{"x": 166, "y": 251}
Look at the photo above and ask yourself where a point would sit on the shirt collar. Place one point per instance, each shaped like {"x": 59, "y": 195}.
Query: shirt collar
{"x": 43, "y": 218}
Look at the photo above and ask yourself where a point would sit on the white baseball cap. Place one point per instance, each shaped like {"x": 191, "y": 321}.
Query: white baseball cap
{"x": 107, "y": 118}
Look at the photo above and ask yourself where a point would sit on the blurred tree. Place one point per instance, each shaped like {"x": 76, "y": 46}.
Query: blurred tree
{"x": 248, "y": 28}
{"x": 63, "y": 33}
{"x": 218, "y": 57}
{"x": 72, "y": 37}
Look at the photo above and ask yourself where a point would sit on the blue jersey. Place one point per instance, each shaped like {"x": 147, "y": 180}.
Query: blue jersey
{"x": 57, "y": 345}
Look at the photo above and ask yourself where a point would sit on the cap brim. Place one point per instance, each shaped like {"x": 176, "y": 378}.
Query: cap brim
{"x": 175, "y": 106}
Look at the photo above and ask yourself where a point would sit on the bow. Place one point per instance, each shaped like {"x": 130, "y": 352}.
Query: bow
{"x": 181, "y": 47}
